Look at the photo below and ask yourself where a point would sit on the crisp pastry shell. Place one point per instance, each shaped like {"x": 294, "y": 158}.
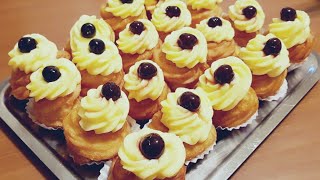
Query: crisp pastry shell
{"x": 266, "y": 86}
{"x": 178, "y": 77}
{"x": 199, "y": 15}
{"x": 240, "y": 114}
{"x": 117, "y": 172}
{"x": 85, "y": 147}
{"x": 300, "y": 52}
{"x": 192, "y": 151}
{"x": 145, "y": 109}
{"x": 221, "y": 50}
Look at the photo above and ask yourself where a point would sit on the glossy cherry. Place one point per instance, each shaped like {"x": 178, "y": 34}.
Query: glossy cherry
{"x": 224, "y": 74}
{"x": 147, "y": 70}
{"x": 152, "y": 146}
{"x": 214, "y": 22}
{"x": 288, "y": 14}
{"x": 249, "y": 12}
{"x": 136, "y": 27}
{"x": 88, "y": 30}
{"x": 189, "y": 101}
{"x": 27, "y": 44}
{"x": 111, "y": 91}
{"x": 187, "y": 41}
{"x": 51, "y": 73}
{"x": 173, "y": 11}
{"x": 96, "y": 46}
{"x": 272, "y": 47}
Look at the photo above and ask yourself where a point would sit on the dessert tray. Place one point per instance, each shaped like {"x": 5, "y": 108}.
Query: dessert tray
{"x": 232, "y": 148}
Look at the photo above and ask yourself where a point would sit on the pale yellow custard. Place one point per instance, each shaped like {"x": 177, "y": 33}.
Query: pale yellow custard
{"x": 101, "y": 115}
{"x": 124, "y": 10}
{"x": 203, "y": 4}
{"x": 30, "y": 62}
{"x": 166, "y": 166}
{"x": 225, "y": 97}
{"x": 142, "y": 89}
{"x": 259, "y": 63}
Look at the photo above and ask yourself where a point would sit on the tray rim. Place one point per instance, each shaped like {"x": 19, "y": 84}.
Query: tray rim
{"x": 226, "y": 168}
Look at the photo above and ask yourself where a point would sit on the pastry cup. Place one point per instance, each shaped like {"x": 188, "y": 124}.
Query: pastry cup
{"x": 199, "y": 15}
{"x": 240, "y": 115}
{"x": 143, "y": 110}
{"x": 89, "y": 81}
{"x": 242, "y": 38}
{"x": 117, "y": 172}
{"x": 50, "y": 114}
{"x": 178, "y": 77}
{"x": 129, "y": 60}
{"x": 86, "y": 147}
{"x": 266, "y": 86}
{"x": 192, "y": 151}
{"x": 221, "y": 50}
{"x": 117, "y": 23}
{"x": 300, "y": 52}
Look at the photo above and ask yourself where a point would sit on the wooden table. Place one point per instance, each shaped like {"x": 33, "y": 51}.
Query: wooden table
{"x": 290, "y": 152}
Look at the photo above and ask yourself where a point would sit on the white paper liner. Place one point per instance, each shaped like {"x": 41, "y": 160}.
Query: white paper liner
{"x": 252, "y": 118}
{"x": 104, "y": 172}
{"x": 294, "y": 66}
{"x": 200, "y": 156}
{"x": 91, "y": 162}
{"x": 280, "y": 94}
{"x": 29, "y": 107}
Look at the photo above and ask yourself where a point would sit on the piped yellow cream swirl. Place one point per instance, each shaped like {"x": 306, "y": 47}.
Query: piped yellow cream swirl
{"x": 226, "y": 97}
{"x": 259, "y": 63}
{"x": 66, "y": 84}
{"x": 292, "y": 32}
{"x": 30, "y": 62}
{"x": 218, "y": 33}
{"x": 101, "y": 115}
{"x": 203, "y": 4}
{"x": 185, "y": 57}
{"x": 191, "y": 127}
{"x": 124, "y": 10}
{"x": 241, "y": 22}
{"x": 166, "y": 24}
{"x": 142, "y": 89}
{"x": 168, "y": 164}
{"x": 103, "y": 31}
{"x": 131, "y": 43}
{"x": 103, "y": 64}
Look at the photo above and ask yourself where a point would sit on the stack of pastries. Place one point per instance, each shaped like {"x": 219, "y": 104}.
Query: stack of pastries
{"x": 182, "y": 66}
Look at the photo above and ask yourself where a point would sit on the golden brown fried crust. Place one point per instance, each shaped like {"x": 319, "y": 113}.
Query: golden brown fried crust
{"x": 52, "y": 113}
{"x": 89, "y": 81}
{"x": 242, "y": 38}
{"x": 199, "y": 15}
{"x": 86, "y": 147}
{"x": 221, "y": 50}
{"x": 117, "y": 172}
{"x": 240, "y": 114}
{"x": 147, "y": 108}
{"x": 117, "y": 23}
{"x": 18, "y": 82}
{"x": 129, "y": 60}
{"x": 300, "y": 52}
{"x": 178, "y": 77}
{"x": 266, "y": 86}
{"x": 192, "y": 151}
{"x": 64, "y": 54}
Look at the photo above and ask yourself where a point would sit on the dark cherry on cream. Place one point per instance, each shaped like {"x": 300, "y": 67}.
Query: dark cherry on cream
{"x": 96, "y": 46}
{"x": 187, "y": 41}
{"x": 127, "y": 1}
{"x": 249, "y": 12}
{"x": 152, "y": 146}
{"x": 51, "y": 73}
{"x": 147, "y": 71}
{"x": 189, "y": 101}
{"x": 224, "y": 74}
{"x": 136, "y": 27}
{"x": 88, "y": 30}
{"x": 214, "y": 22}
{"x": 173, "y": 11}
{"x": 27, "y": 44}
{"x": 272, "y": 47}
{"x": 111, "y": 91}
{"x": 288, "y": 14}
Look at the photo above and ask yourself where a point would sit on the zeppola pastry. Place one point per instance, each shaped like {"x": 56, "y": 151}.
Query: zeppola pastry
{"x": 227, "y": 85}
{"x": 119, "y": 13}
{"x": 293, "y": 28}
{"x": 137, "y": 42}
{"x": 187, "y": 113}
{"x": 27, "y": 56}
{"x": 268, "y": 59}
{"x": 149, "y": 154}
{"x": 146, "y": 88}
{"x": 170, "y": 16}
{"x": 54, "y": 89}
{"x": 96, "y": 127}
{"x": 247, "y": 18}
{"x": 219, "y": 35}
{"x": 182, "y": 57}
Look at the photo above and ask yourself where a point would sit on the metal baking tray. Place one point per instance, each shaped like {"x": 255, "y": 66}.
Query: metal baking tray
{"x": 232, "y": 148}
